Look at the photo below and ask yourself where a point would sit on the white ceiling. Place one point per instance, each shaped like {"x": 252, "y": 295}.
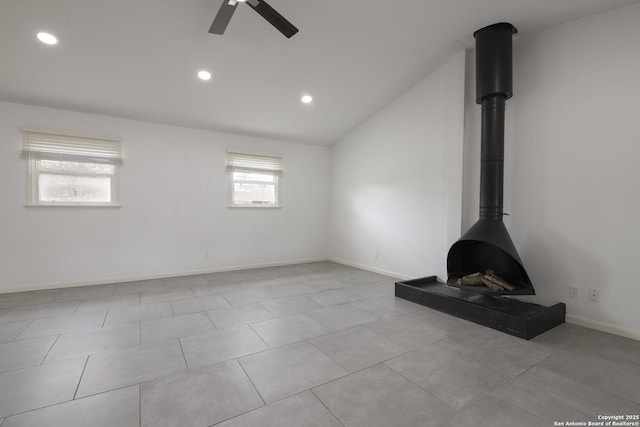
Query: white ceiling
{"x": 139, "y": 58}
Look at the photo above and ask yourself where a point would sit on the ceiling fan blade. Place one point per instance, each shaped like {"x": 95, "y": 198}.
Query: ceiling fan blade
{"x": 223, "y": 17}
{"x": 274, "y": 18}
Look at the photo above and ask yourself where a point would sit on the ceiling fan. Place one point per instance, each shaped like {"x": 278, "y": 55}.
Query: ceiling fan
{"x": 267, "y": 12}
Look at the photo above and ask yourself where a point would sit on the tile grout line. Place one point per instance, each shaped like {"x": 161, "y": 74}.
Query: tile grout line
{"x": 242, "y": 413}
{"x": 363, "y": 368}
{"x": 15, "y": 339}
{"x": 330, "y": 332}
{"x": 105, "y": 318}
{"x": 37, "y": 409}
{"x": 259, "y": 336}
{"x": 492, "y": 394}
{"x": 251, "y": 381}
{"x": 140, "y": 405}
{"x": 183, "y": 356}
{"x": 210, "y": 319}
{"x": 333, "y": 360}
{"x": 322, "y": 403}
{"x": 50, "y": 348}
{"x": 92, "y": 395}
{"x": 80, "y": 380}
{"x": 68, "y": 401}
{"x": 205, "y": 312}
{"x": 235, "y": 416}
{"x": 420, "y": 387}
{"x": 529, "y": 368}
{"x": 77, "y": 307}
{"x": 616, "y": 396}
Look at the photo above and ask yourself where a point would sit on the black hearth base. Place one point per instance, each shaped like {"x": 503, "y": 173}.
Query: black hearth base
{"x": 524, "y": 320}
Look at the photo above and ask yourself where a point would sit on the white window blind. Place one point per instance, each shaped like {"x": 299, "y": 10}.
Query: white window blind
{"x": 41, "y": 145}
{"x": 253, "y": 163}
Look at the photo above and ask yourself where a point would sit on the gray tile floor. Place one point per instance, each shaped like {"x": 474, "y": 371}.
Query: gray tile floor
{"x": 315, "y": 344}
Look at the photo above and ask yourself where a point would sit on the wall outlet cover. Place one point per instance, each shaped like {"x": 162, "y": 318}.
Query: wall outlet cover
{"x": 574, "y": 291}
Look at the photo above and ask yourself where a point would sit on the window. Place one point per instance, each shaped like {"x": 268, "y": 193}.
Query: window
{"x": 71, "y": 170}
{"x": 254, "y": 180}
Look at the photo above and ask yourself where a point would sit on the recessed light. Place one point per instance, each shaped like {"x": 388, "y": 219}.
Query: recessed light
{"x": 306, "y": 99}
{"x": 47, "y": 38}
{"x": 204, "y": 75}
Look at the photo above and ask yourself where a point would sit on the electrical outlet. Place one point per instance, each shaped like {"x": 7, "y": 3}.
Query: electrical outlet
{"x": 206, "y": 256}
{"x": 594, "y": 295}
{"x": 377, "y": 256}
{"x": 574, "y": 291}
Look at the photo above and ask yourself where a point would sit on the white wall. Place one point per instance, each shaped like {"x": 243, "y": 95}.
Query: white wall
{"x": 397, "y": 179}
{"x": 572, "y": 175}
{"x": 174, "y": 207}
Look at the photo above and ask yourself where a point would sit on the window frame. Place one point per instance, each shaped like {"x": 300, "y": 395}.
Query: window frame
{"x": 34, "y": 169}
{"x": 253, "y": 163}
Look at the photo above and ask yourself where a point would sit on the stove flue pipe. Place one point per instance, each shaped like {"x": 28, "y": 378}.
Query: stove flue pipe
{"x": 486, "y": 245}
{"x": 494, "y": 85}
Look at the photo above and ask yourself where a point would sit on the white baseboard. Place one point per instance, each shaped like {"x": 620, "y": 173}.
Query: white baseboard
{"x": 108, "y": 281}
{"x": 610, "y": 328}
{"x": 570, "y": 318}
{"x": 372, "y": 269}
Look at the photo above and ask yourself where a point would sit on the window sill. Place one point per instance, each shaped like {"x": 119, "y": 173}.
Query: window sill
{"x": 70, "y": 205}
{"x": 252, "y": 207}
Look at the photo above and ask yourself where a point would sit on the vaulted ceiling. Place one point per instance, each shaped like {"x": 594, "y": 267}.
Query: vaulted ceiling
{"x": 139, "y": 58}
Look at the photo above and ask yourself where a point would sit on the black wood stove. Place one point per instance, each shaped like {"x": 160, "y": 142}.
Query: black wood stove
{"x": 487, "y": 246}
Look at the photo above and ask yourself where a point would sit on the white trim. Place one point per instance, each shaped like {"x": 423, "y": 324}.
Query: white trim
{"x": 108, "y": 281}
{"x": 71, "y": 205}
{"x": 570, "y": 318}
{"x": 254, "y": 207}
{"x": 39, "y": 145}
{"x": 610, "y": 328}
{"x": 371, "y": 269}
{"x": 276, "y": 174}
{"x": 33, "y": 186}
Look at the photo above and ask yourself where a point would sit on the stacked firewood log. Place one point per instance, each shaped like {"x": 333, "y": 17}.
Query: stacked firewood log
{"x": 488, "y": 279}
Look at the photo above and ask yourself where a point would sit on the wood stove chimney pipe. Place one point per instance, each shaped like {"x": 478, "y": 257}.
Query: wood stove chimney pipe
{"x": 494, "y": 85}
